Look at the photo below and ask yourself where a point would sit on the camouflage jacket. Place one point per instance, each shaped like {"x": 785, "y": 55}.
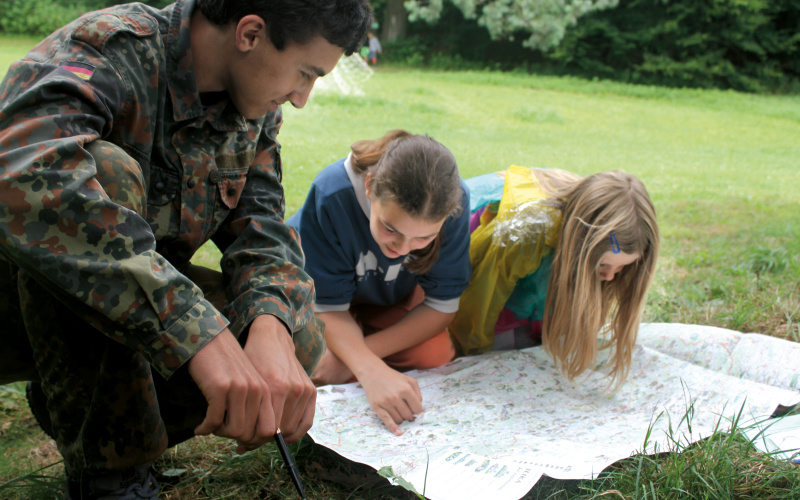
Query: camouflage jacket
{"x": 125, "y": 75}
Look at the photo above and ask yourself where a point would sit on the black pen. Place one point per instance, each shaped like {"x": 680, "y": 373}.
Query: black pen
{"x": 287, "y": 457}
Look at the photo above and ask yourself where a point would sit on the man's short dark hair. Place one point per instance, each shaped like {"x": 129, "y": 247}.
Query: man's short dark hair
{"x": 343, "y": 23}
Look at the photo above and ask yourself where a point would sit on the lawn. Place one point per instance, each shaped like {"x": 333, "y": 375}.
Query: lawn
{"x": 721, "y": 167}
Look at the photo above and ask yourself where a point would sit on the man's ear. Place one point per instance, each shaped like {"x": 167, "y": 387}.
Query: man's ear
{"x": 249, "y": 31}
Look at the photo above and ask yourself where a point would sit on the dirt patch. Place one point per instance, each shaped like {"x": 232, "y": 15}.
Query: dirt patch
{"x": 45, "y": 454}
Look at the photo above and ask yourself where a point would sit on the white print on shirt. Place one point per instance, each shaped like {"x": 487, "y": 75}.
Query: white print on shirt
{"x": 369, "y": 263}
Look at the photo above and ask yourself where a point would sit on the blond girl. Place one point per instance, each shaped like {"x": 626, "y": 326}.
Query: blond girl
{"x": 560, "y": 257}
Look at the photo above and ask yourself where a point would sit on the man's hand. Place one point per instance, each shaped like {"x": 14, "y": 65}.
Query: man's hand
{"x": 293, "y": 396}
{"x": 331, "y": 370}
{"x": 252, "y": 392}
{"x": 239, "y": 402}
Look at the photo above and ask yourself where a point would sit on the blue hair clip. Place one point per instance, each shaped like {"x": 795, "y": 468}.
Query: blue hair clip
{"x": 614, "y": 243}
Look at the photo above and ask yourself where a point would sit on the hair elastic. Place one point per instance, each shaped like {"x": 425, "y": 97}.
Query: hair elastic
{"x": 614, "y": 243}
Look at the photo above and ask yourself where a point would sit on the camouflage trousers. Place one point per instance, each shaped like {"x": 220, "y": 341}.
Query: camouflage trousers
{"x": 108, "y": 409}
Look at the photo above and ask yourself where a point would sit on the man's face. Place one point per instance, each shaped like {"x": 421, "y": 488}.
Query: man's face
{"x": 269, "y": 77}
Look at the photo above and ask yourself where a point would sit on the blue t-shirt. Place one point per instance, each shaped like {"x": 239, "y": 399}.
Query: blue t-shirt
{"x": 347, "y": 263}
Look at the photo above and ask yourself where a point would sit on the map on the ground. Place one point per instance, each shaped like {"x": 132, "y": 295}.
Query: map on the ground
{"x": 494, "y": 424}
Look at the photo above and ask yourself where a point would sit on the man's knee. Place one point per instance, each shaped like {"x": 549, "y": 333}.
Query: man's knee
{"x": 120, "y": 175}
{"x": 211, "y": 282}
{"x": 309, "y": 344}
{"x": 309, "y": 341}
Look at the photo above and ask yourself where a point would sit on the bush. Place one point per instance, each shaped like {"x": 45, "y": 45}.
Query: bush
{"x": 36, "y": 17}
{"x": 42, "y": 17}
{"x": 748, "y": 45}
{"x": 409, "y": 51}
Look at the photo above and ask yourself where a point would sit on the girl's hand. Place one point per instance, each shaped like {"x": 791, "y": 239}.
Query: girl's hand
{"x": 393, "y": 396}
{"x": 331, "y": 370}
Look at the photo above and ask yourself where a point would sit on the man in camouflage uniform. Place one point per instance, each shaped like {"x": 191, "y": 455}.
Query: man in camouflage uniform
{"x": 128, "y": 139}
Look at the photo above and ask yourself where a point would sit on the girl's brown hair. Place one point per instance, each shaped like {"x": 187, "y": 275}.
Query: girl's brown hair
{"x": 417, "y": 173}
{"x": 579, "y": 306}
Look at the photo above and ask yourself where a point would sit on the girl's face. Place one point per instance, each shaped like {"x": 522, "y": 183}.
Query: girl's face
{"x": 396, "y": 232}
{"x": 612, "y": 263}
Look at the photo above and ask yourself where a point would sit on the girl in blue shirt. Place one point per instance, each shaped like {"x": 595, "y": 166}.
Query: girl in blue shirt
{"x": 386, "y": 236}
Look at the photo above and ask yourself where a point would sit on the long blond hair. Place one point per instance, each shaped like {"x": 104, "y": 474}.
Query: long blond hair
{"x": 579, "y": 306}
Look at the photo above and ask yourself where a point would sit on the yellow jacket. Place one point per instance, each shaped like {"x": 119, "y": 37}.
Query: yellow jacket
{"x": 508, "y": 245}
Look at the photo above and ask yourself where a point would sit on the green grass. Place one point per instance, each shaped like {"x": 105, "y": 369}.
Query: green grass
{"x": 720, "y": 166}
{"x": 722, "y": 467}
{"x": 12, "y": 47}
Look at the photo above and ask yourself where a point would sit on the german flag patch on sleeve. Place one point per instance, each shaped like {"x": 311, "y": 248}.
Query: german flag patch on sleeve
{"x": 81, "y": 70}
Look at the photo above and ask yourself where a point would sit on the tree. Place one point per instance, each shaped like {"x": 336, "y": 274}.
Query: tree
{"x": 395, "y": 21}
{"x": 750, "y": 45}
{"x": 544, "y": 22}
